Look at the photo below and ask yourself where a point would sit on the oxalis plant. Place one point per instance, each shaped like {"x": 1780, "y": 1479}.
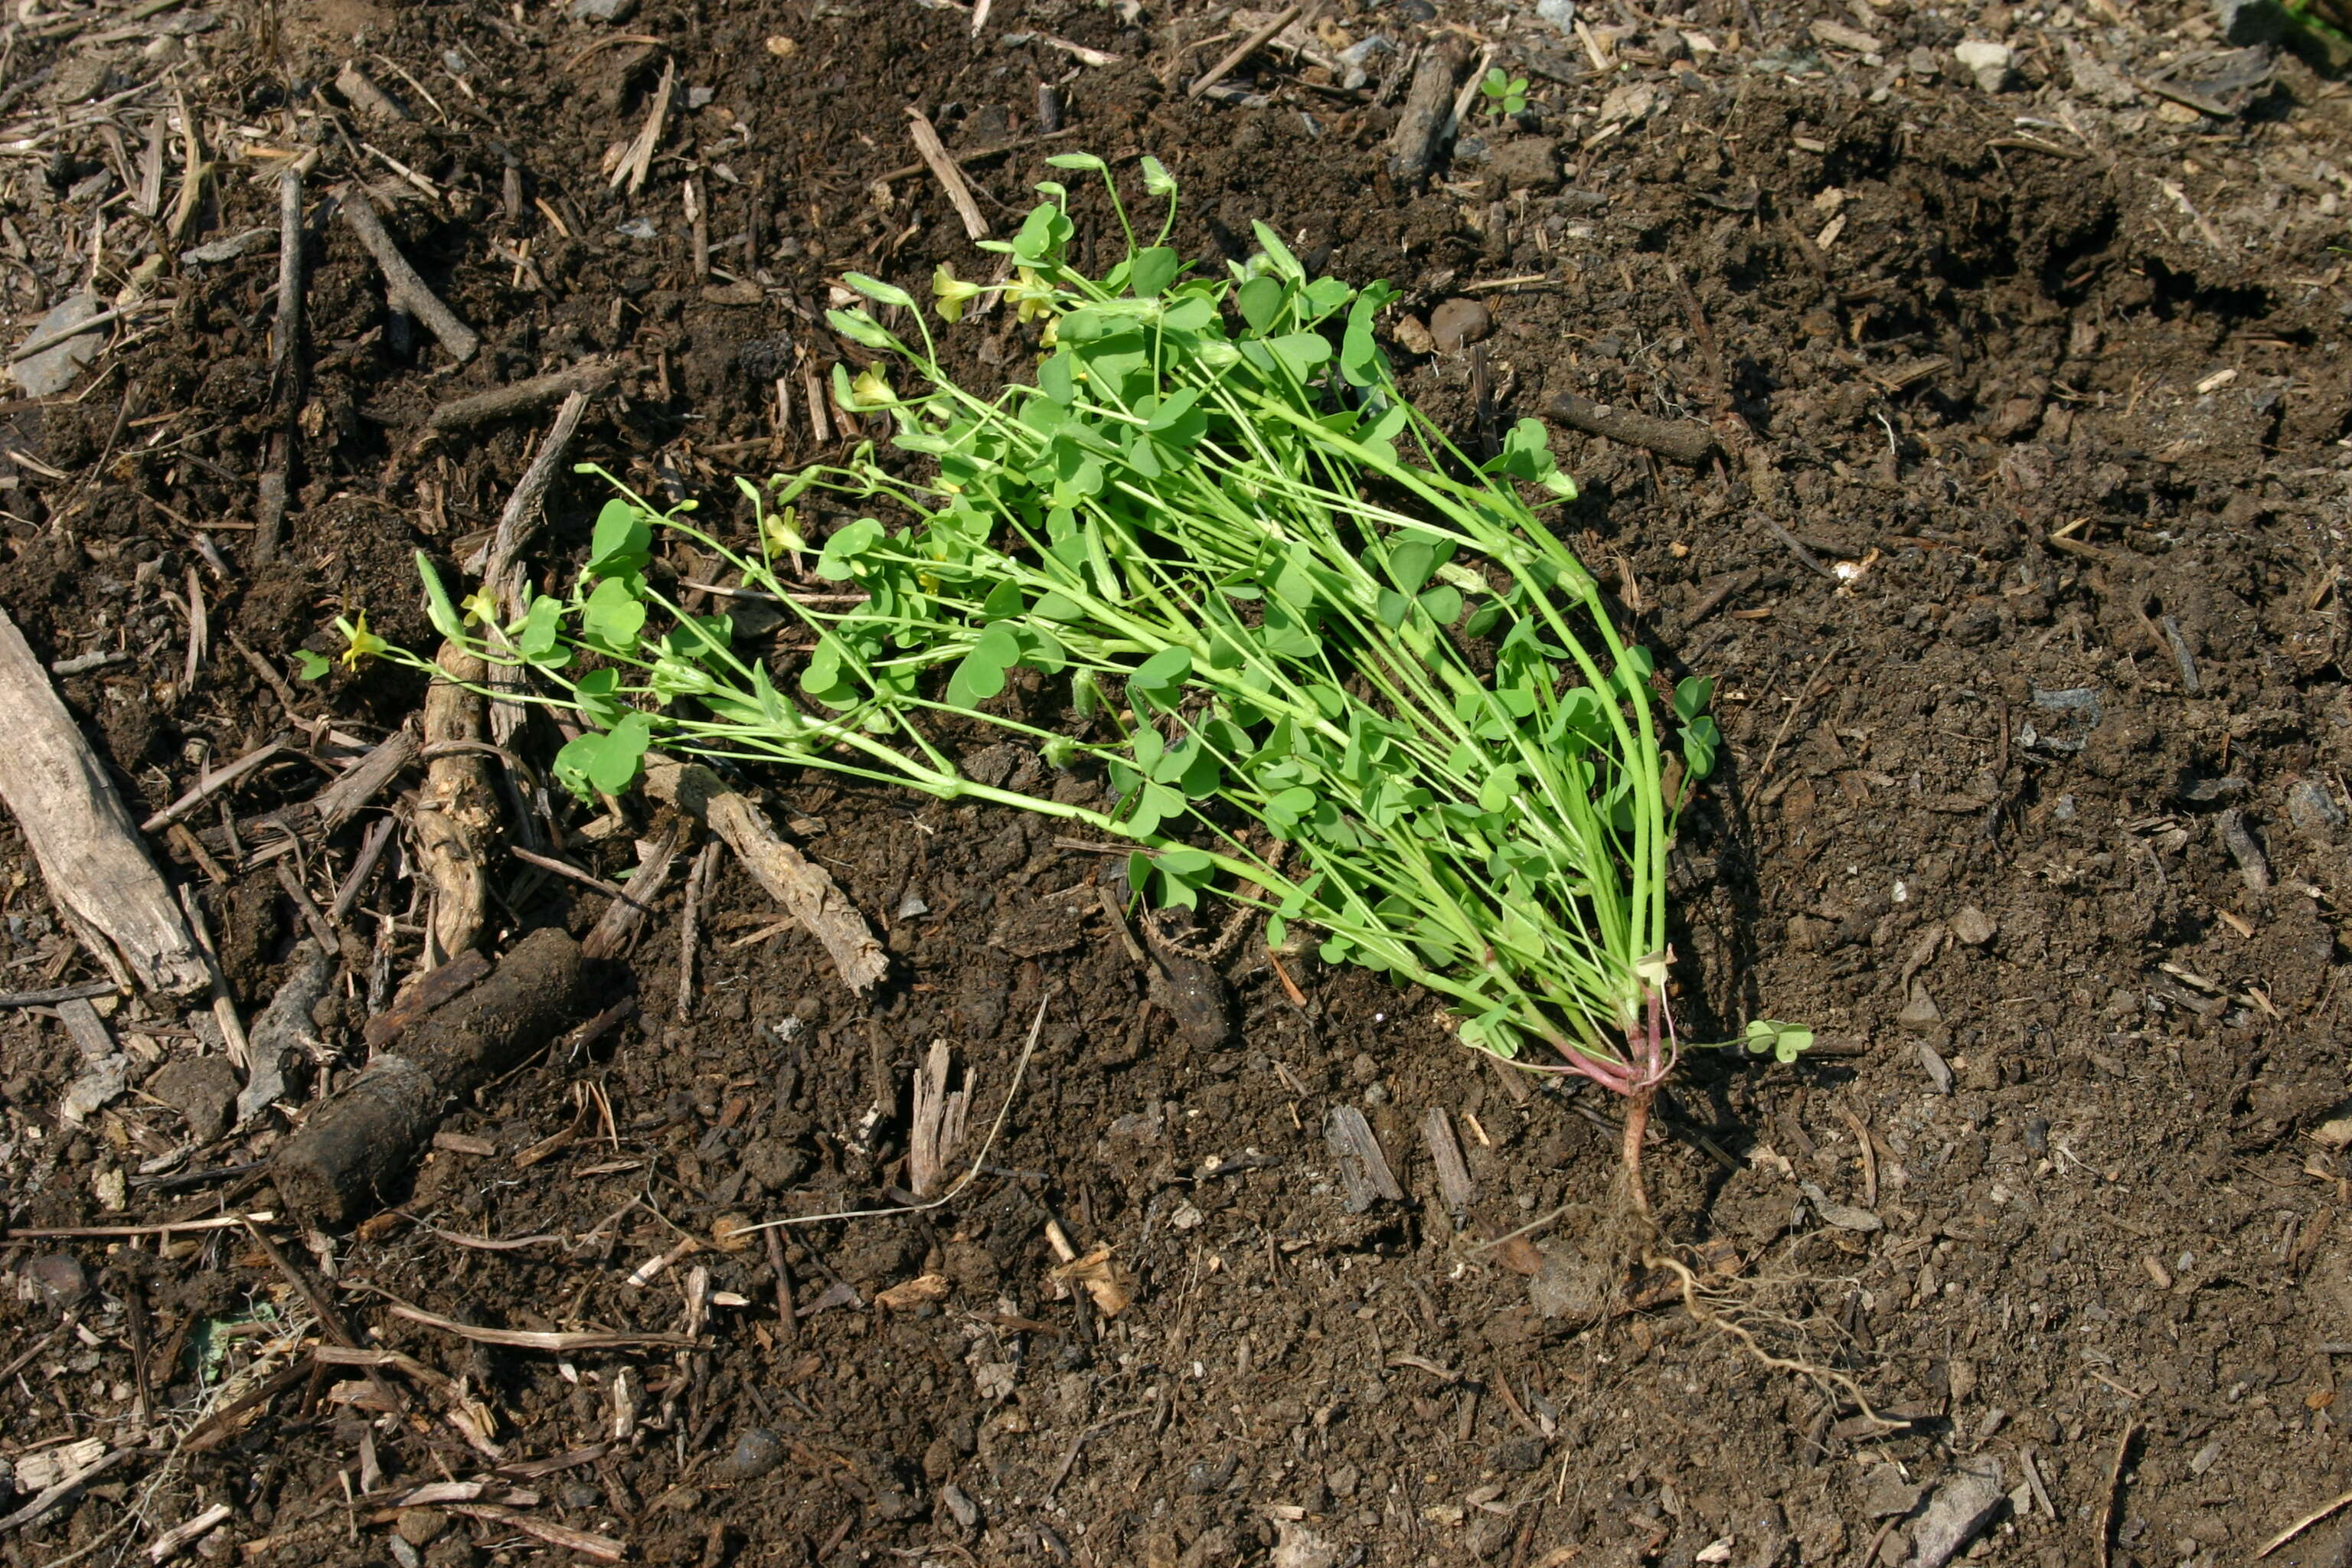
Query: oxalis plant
{"x": 1331, "y": 668}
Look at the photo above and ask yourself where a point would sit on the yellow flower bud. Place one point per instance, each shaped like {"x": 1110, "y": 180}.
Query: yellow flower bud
{"x": 871, "y": 389}
{"x": 954, "y": 294}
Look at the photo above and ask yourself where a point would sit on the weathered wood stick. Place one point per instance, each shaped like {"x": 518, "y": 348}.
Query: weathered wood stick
{"x": 950, "y": 178}
{"x": 363, "y": 94}
{"x": 1684, "y": 441}
{"x": 285, "y": 368}
{"x": 457, "y": 814}
{"x": 363, "y": 780}
{"x": 324, "y": 813}
{"x": 976, "y": 155}
{"x": 617, "y": 927}
{"x": 361, "y": 1143}
{"x": 520, "y": 518}
{"x": 804, "y": 889}
{"x": 521, "y": 396}
{"x": 1428, "y": 113}
{"x": 1244, "y": 49}
{"x": 89, "y": 852}
{"x": 403, "y": 287}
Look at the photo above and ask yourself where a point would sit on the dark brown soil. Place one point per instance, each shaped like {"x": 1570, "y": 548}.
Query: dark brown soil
{"x": 2022, "y": 576}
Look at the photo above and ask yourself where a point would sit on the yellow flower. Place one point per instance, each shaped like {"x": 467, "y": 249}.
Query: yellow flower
{"x": 954, "y": 294}
{"x": 780, "y": 532}
{"x": 481, "y": 606}
{"x": 359, "y": 642}
{"x": 871, "y": 389}
{"x": 1032, "y": 299}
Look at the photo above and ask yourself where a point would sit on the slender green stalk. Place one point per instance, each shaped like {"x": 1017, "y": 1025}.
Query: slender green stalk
{"x": 1368, "y": 693}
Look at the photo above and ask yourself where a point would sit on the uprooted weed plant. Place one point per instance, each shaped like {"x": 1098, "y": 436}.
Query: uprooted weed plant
{"x": 1332, "y": 668}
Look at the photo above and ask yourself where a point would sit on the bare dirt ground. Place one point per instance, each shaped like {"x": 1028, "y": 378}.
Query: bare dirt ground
{"x": 2021, "y": 564}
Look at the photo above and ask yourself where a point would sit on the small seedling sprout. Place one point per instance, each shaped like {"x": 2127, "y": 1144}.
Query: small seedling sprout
{"x": 1505, "y": 95}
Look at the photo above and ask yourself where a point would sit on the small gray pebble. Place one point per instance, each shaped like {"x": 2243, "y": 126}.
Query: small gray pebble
{"x": 756, "y": 1452}
{"x": 1459, "y": 322}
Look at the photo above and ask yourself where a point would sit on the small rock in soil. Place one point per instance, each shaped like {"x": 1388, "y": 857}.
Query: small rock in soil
{"x": 202, "y": 1090}
{"x": 1573, "y": 1287}
{"x": 966, "y": 1512}
{"x": 58, "y": 1277}
{"x": 756, "y": 1452}
{"x": 773, "y": 1163}
{"x": 1520, "y": 1455}
{"x": 1527, "y": 164}
{"x": 1961, "y": 1506}
{"x": 1413, "y": 337}
{"x": 1985, "y": 60}
{"x": 1920, "y": 1012}
{"x": 53, "y": 370}
{"x": 1560, "y": 14}
{"x": 1939, "y": 1072}
{"x": 603, "y": 10}
{"x": 2312, "y": 809}
{"x": 1459, "y": 322}
{"x": 421, "y": 1527}
{"x": 1973, "y": 926}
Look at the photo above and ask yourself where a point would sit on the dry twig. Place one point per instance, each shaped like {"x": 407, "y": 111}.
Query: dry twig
{"x": 89, "y": 853}
{"x": 950, "y": 178}
{"x": 805, "y": 889}
{"x": 1249, "y": 45}
{"x": 457, "y": 814}
{"x": 403, "y": 287}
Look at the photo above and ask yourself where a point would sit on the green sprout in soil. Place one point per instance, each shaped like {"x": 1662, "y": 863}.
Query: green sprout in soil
{"x": 1505, "y": 95}
{"x": 1330, "y": 667}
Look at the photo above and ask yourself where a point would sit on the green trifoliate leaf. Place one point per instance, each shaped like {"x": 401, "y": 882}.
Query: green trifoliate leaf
{"x": 623, "y": 542}
{"x": 542, "y": 626}
{"x": 1260, "y": 302}
{"x": 838, "y": 562}
{"x": 612, "y": 617}
{"x": 599, "y": 703}
{"x": 1151, "y": 271}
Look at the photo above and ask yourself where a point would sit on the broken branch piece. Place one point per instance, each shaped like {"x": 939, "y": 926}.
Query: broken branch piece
{"x": 361, "y": 1142}
{"x": 458, "y": 816}
{"x": 96, "y": 871}
{"x": 804, "y": 889}
{"x": 403, "y": 287}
